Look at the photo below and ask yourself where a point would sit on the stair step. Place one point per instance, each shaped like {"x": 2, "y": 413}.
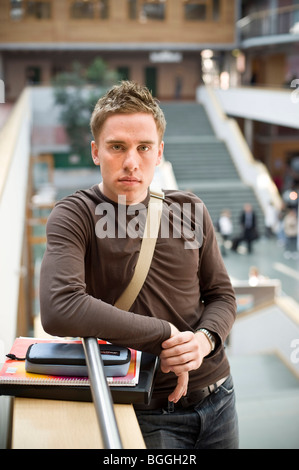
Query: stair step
{"x": 186, "y": 119}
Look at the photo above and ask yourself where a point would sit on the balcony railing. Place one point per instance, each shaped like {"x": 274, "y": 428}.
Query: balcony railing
{"x": 276, "y": 21}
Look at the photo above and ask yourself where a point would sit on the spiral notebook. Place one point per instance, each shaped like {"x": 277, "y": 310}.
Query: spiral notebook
{"x": 13, "y": 371}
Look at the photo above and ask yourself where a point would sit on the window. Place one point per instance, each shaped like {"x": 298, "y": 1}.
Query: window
{"x": 16, "y": 9}
{"x": 37, "y": 9}
{"x": 216, "y": 10}
{"x": 88, "y": 9}
{"x": 104, "y": 9}
{"x": 202, "y": 10}
{"x": 132, "y": 6}
{"x": 195, "y": 10}
{"x": 147, "y": 10}
{"x": 153, "y": 10}
{"x": 82, "y": 10}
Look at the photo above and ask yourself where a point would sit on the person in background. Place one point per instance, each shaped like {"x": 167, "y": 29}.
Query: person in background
{"x": 255, "y": 277}
{"x": 290, "y": 226}
{"x": 248, "y": 228}
{"x": 271, "y": 220}
{"x": 225, "y": 228}
{"x": 281, "y": 238}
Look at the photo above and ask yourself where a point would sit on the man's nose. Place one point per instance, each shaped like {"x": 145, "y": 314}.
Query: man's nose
{"x": 131, "y": 160}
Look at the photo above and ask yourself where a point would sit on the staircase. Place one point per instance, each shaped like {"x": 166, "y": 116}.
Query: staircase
{"x": 202, "y": 163}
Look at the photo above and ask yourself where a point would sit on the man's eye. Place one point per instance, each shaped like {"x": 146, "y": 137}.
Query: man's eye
{"x": 116, "y": 147}
{"x": 144, "y": 148}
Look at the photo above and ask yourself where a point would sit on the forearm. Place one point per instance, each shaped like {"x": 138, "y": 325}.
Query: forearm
{"x": 67, "y": 310}
{"x": 72, "y": 299}
{"x": 218, "y": 318}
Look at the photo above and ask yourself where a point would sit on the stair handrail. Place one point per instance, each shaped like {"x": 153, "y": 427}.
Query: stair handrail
{"x": 101, "y": 395}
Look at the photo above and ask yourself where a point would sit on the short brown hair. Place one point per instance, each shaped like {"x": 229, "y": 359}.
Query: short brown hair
{"x": 126, "y": 98}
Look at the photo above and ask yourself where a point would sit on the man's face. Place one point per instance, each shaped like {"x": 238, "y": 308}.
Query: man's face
{"x": 128, "y": 149}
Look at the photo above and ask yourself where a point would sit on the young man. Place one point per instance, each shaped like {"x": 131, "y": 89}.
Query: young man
{"x": 186, "y": 306}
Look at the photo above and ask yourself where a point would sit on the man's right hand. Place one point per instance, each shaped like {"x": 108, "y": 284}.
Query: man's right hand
{"x": 182, "y": 352}
{"x": 183, "y": 377}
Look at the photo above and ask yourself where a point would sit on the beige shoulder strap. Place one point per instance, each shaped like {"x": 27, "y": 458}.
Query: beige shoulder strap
{"x": 148, "y": 244}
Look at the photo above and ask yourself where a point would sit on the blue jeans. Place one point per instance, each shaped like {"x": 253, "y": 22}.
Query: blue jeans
{"x": 210, "y": 424}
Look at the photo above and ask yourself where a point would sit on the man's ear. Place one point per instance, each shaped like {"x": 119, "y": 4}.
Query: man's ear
{"x": 160, "y": 153}
{"x": 95, "y": 153}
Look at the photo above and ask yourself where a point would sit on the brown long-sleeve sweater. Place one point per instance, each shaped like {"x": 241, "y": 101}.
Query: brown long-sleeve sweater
{"x": 91, "y": 253}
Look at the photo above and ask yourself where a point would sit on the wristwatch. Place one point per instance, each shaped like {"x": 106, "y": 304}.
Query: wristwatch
{"x": 210, "y": 337}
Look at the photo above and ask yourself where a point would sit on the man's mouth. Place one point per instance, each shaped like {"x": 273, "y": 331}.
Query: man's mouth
{"x": 129, "y": 179}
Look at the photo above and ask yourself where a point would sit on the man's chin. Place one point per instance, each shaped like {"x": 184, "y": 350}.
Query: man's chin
{"x": 133, "y": 196}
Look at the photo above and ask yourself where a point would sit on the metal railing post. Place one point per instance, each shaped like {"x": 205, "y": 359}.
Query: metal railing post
{"x": 101, "y": 395}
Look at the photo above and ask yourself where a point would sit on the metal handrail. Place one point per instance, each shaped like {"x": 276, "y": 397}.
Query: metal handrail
{"x": 101, "y": 395}
{"x": 271, "y": 21}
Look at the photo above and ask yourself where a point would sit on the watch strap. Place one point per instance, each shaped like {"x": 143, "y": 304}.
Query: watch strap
{"x": 209, "y": 336}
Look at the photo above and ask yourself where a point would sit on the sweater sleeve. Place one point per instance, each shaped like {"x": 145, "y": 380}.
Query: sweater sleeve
{"x": 217, "y": 294}
{"x": 66, "y": 307}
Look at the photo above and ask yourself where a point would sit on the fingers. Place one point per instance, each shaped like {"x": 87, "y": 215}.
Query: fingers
{"x": 174, "y": 348}
{"x": 179, "y": 364}
{"x": 180, "y": 389}
{"x": 178, "y": 339}
{"x": 180, "y": 353}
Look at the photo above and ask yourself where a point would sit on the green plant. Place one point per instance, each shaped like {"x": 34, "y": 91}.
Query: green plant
{"x": 76, "y": 92}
